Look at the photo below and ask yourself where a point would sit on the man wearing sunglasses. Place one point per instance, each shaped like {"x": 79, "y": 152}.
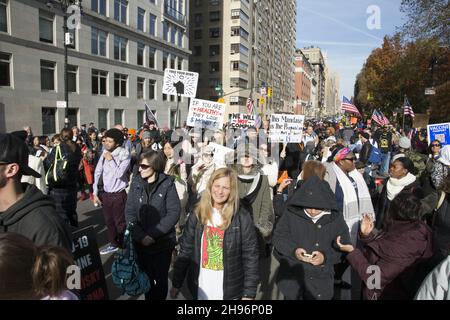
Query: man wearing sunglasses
{"x": 24, "y": 209}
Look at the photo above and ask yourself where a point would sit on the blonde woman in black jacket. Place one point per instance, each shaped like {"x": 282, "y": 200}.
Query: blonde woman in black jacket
{"x": 218, "y": 248}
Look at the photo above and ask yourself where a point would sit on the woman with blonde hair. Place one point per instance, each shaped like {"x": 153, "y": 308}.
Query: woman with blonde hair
{"x": 218, "y": 248}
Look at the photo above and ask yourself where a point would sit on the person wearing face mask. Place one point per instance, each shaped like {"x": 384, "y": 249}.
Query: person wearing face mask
{"x": 154, "y": 208}
{"x": 218, "y": 248}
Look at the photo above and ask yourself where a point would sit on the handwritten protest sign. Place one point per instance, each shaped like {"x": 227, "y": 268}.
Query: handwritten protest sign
{"x": 241, "y": 120}
{"x": 286, "y": 128}
{"x": 207, "y": 114}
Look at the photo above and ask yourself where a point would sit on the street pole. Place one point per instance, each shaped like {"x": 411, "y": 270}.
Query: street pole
{"x": 177, "y": 118}
{"x": 66, "y": 80}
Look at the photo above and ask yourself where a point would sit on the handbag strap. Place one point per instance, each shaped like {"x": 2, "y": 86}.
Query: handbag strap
{"x": 441, "y": 200}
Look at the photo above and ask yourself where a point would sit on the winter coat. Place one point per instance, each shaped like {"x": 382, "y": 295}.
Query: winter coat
{"x": 436, "y": 285}
{"x": 154, "y": 214}
{"x": 297, "y": 279}
{"x": 34, "y": 217}
{"x": 399, "y": 253}
{"x": 441, "y": 229}
{"x": 240, "y": 257}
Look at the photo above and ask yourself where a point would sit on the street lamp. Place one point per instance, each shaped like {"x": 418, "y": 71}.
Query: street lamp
{"x": 64, "y": 5}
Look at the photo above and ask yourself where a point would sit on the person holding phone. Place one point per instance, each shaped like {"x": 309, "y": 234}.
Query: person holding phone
{"x": 304, "y": 242}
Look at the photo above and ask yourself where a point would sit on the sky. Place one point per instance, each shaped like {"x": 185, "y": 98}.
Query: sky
{"x": 340, "y": 29}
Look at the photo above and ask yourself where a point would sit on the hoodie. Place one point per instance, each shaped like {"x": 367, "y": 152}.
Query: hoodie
{"x": 295, "y": 229}
{"x": 34, "y": 217}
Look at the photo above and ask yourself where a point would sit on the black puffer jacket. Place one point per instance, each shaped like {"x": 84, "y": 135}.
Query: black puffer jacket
{"x": 240, "y": 257}
{"x": 297, "y": 279}
{"x": 154, "y": 214}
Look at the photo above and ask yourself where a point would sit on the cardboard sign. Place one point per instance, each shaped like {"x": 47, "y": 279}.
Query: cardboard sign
{"x": 439, "y": 131}
{"x": 87, "y": 258}
{"x": 222, "y": 155}
{"x": 286, "y": 128}
{"x": 421, "y": 120}
{"x": 179, "y": 81}
{"x": 241, "y": 120}
{"x": 205, "y": 114}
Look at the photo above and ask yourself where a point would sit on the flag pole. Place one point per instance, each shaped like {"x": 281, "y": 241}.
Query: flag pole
{"x": 404, "y": 114}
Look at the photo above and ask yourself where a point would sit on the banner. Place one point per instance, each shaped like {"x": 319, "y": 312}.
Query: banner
{"x": 439, "y": 131}
{"x": 241, "y": 120}
{"x": 286, "y": 128}
{"x": 87, "y": 258}
{"x": 205, "y": 114}
{"x": 179, "y": 81}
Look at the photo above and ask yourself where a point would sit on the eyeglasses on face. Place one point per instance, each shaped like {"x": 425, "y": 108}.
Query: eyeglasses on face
{"x": 436, "y": 145}
{"x": 144, "y": 166}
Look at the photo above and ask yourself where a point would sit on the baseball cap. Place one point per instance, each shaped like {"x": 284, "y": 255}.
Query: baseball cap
{"x": 14, "y": 150}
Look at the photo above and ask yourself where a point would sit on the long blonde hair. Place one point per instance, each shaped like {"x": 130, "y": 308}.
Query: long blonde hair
{"x": 204, "y": 208}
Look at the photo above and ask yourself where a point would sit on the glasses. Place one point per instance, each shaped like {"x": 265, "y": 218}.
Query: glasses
{"x": 350, "y": 159}
{"x": 436, "y": 145}
{"x": 144, "y": 166}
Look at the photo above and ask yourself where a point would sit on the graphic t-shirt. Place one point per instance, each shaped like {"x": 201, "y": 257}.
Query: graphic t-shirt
{"x": 210, "y": 280}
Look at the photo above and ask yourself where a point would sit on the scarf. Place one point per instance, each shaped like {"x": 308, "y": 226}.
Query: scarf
{"x": 395, "y": 186}
{"x": 355, "y": 205}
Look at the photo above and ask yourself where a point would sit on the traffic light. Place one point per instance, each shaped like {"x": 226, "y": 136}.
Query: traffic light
{"x": 269, "y": 92}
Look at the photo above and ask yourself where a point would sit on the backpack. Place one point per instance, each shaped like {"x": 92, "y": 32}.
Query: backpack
{"x": 375, "y": 155}
{"x": 58, "y": 173}
{"x": 125, "y": 271}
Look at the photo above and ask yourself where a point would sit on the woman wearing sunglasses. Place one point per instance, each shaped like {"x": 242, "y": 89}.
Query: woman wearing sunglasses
{"x": 154, "y": 207}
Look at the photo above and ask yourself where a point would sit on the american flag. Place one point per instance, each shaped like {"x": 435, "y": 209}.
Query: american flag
{"x": 384, "y": 118}
{"x": 376, "y": 116}
{"x": 407, "y": 108}
{"x": 347, "y": 105}
{"x": 249, "y": 105}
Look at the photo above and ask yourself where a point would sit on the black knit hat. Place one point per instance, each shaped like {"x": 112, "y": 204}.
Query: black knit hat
{"x": 116, "y": 135}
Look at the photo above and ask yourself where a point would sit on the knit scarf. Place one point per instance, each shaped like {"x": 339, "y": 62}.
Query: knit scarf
{"x": 395, "y": 186}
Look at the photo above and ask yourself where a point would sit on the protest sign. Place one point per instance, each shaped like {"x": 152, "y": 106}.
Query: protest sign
{"x": 87, "y": 258}
{"x": 179, "y": 81}
{"x": 241, "y": 120}
{"x": 286, "y": 128}
{"x": 222, "y": 155}
{"x": 206, "y": 114}
{"x": 439, "y": 131}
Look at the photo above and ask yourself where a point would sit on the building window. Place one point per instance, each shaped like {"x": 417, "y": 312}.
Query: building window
{"x": 140, "y": 88}
{"x": 238, "y": 83}
{"x": 214, "y": 32}
{"x": 180, "y": 37}
{"x": 235, "y": 13}
{"x": 3, "y": 16}
{"x": 120, "y": 48}
{"x": 197, "y": 67}
{"x": 198, "y": 20}
{"x": 173, "y": 34}
{"x": 72, "y": 78}
{"x": 214, "y": 67}
{"x": 152, "y": 58}
{"x": 180, "y": 64}
{"x": 48, "y": 120}
{"x": 214, "y": 2}
{"x": 164, "y": 97}
{"x": 151, "y": 89}
{"x": 197, "y": 51}
{"x": 103, "y": 118}
{"x": 165, "y": 31}
{"x": 234, "y": 48}
{"x": 234, "y": 65}
{"x": 165, "y": 61}
{"x": 45, "y": 26}
{"x": 140, "y": 19}
{"x": 72, "y": 115}
{"x": 98, "y": 42}
{"x": 198, "y": 34}
{"x": 214, "y": 16}
{"x": 120, "y": 10}
{"x": 243, "y": 49}
{"x": 214, "y": 82}
{"x": 99, "y": 6}
{"x": 172, "y": 63}
{"x": 152, "y": 27}
{"x": 118, "y": 116}
{"x": 5, "y": 69}
{"x": 214, "y": 50}
{"x": 140, "y": 53}
{"x": 120, "y": 85}
{"x": 99, "y": 81}
{"x": 198, "y": 3}
{"x": 47, "y": 75}
{"x": 140, "y": 118}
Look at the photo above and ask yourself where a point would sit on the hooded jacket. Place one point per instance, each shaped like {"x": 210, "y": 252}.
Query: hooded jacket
{"x": 297, "y": 279}
{"x": 34, "y": 217}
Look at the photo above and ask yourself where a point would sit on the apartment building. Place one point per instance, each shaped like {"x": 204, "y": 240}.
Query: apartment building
{"x": 116, "y": 63}
{"x": 241, "y": 46}
{"x": 316, "y": 59}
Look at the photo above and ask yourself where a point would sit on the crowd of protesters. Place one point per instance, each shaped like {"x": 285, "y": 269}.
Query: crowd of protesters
{"x": 218, "y": 205}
